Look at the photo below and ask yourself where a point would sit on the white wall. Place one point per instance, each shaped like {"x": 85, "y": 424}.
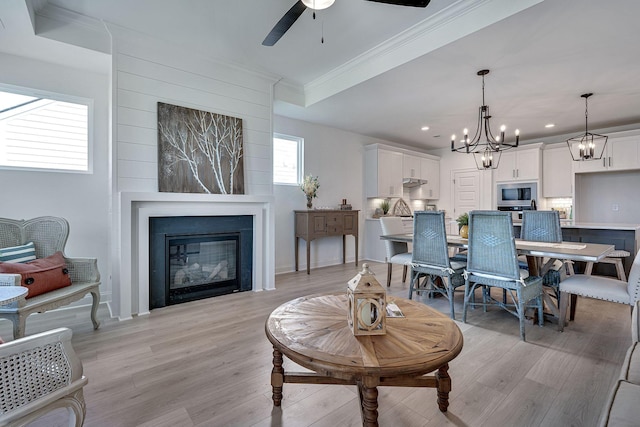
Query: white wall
{"x": 336, "y": 157}
{"x": 450, "y": 162}
{"x": 596, "y": 193}
{"x": 147, "y": 71}
{"x": 80, "y": 198}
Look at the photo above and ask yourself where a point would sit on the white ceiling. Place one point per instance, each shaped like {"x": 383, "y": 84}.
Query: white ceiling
{"x": 384, "y": 70}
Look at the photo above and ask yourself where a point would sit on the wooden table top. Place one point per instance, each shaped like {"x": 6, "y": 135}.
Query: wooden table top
{"x": 576, "y": 251}
{"x": 313, "y": 332}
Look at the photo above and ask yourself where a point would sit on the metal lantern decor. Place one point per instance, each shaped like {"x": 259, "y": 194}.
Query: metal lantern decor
{"x": 588, "y": 146}
{"x": 367, "y": 304}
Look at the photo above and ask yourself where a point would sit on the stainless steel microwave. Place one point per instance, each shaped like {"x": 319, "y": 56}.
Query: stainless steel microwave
{"x": 517, "y": 194}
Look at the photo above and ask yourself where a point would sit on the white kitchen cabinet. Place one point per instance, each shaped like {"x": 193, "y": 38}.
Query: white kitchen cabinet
{"x": 621, "y": 153}
{"x": 430, "y": 172}
{"x": 557, "y": 178}
{"x": 410, "y": 166}
{"x": 383, "y": 173}
{"x": 374, "y": 249}
{"x": 519, "y": 164}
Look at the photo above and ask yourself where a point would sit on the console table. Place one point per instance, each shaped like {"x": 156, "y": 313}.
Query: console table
{"x": 314, "y": 224}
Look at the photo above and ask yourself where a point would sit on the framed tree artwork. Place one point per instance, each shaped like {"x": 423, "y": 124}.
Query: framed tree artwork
{"x": 199, "y": 151}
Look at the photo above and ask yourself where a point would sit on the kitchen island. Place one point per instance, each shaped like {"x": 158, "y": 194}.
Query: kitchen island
{"x": 623, "y": 236}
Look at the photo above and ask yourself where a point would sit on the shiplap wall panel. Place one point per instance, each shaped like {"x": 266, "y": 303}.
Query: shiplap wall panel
{"x": 208, "y": 84}
{"x": 194, "y": 98}
{"x": 137, "y": 135}
{"x": 148, "y": 72}
{"x": 138, "y": 151}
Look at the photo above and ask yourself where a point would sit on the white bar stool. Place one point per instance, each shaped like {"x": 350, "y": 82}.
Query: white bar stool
{"x": 614, "y": 257}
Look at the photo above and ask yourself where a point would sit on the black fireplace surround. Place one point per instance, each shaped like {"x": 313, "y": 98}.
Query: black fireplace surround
{"x": 196, "y": 257}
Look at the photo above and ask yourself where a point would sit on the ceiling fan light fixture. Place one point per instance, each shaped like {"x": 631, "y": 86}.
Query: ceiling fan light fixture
{"x": 318, "y": 4}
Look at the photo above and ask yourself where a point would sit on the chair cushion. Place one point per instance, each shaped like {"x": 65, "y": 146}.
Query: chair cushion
{"x": 598, "y": 287}
{"x": 22, "y": 253}
{"x": 404, "y": 258}
{"x": 623, "y": 408}
{"x": 42, "y": 275}
{"x": 631, "y": 367}
{"x": 457, "y": 265}
{"x": 523, "y": 275}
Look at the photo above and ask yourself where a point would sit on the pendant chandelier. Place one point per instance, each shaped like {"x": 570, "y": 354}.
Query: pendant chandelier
{"x": 589, "y": 146}
{"x": 486, "y": 148}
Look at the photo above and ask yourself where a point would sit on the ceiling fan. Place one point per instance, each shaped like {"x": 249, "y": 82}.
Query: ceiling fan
{"x": 283, "y": 25}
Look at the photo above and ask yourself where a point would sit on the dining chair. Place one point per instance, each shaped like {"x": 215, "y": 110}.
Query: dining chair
{"x": 602, "y": 288}
{"x": 544, "y": 226}
{"x": 397, "y": 252}
{"x": 492, "y": 262}
{"x": 431, "y": 258}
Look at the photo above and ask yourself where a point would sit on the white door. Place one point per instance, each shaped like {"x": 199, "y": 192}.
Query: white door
{"x": 466, "y": 193}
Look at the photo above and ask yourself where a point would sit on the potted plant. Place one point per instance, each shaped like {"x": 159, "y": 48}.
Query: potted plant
{"x": 385, "y": 205}
{"x": 463, "y": 225}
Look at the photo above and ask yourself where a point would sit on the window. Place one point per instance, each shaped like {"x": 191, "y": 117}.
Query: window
{"x": 43, "y": 131}
{"x": 287, "y": 159}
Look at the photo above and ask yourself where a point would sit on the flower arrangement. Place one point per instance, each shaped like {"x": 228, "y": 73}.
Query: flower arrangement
{"x": 310, "y": 187}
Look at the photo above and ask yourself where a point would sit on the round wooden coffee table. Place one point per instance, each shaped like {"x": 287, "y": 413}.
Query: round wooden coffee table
{"x": 312, "y": 331}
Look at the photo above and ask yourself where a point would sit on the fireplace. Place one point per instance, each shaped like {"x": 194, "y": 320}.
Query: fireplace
{"x": 199, "y": 257}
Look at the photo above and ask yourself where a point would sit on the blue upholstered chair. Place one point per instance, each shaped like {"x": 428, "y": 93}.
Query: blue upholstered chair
{"x": 431, "y": 258}
{"x": 492, "y": 262}
{"x": 397, "y": 252}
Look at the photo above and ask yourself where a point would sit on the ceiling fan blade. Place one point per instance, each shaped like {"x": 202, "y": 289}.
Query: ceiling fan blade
{"x": 284, "y": 23}
{"x": 414, "y": 3}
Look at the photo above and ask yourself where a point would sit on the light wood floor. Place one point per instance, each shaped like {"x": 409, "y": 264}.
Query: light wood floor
{"x": 207, "y": 363}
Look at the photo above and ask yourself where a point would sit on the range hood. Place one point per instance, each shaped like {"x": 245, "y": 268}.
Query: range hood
{"x": 413, "y": 182}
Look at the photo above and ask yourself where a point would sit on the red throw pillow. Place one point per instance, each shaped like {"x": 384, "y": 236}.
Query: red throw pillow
{"x": 42, "y": 275}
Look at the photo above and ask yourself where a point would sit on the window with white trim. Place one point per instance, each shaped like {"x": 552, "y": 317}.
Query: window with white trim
{"x": 287, "y": 159}
{"x": 44, "y": 131}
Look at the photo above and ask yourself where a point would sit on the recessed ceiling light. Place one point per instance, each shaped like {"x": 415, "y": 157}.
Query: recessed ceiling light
{"x": 549, "y": 125}
{"x": 424, "y": 128}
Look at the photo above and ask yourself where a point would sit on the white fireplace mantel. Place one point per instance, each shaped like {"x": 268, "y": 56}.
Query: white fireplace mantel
{"x": 132, "y": 288}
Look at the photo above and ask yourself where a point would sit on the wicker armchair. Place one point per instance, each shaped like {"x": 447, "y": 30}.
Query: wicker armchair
{"x": 492, "y": 261}
{"x": 397, "y": 252}
{"x": 49, "y": 235}
{"x": 38, "y": 374}
{"x": 431, "y": 258}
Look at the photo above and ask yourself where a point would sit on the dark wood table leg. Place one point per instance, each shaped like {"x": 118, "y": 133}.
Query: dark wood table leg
{"x": 344, "y": 248}
{"x": 444, "y": 387}
{"x": 296, "y": 249}
{"x": 277, "y": 377}
{"x": 356, "y": 237}
{"x": 368, "y": 404}
{"x": 308, "y": 256}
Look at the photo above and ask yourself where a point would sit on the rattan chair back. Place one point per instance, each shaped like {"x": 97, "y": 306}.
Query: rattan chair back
{"x": 541, "y": 226}
{"x": 492, "y": 246}
{"x": 49, "y": 234}
{"x": 430, "y": 239}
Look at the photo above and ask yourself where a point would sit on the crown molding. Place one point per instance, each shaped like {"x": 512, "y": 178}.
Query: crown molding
{"x": 452, "y": 23}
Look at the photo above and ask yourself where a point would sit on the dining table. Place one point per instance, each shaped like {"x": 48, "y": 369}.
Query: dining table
{"x": 540, "y": 255}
